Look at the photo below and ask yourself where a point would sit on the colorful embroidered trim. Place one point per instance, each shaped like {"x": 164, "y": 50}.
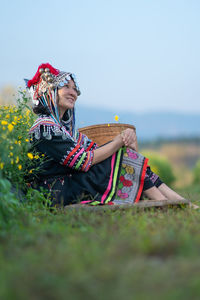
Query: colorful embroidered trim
{"x": 88, "y": 162}
{"x": 82, "y": 139}
{"x": 49, "y": 126}
{"x": 70, "y": 154}
{"x": 75, "y": 158}
{"x": 90, "y": 146}
{"x": 78, "y": 158}
{"x": 142, "y": 180}
{"x": 115, "y": 177}
{"x": 111, "y": 188}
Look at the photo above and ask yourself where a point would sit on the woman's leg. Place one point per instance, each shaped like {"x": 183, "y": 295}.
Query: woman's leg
{"x": 153, "y": 193}
{"x": 154, "y": 188}
{"x": 169, "y": 193}
{"x": 151, "y": 184}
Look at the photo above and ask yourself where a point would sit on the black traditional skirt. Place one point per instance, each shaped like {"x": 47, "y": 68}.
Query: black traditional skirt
{"x": 117, "y": 180}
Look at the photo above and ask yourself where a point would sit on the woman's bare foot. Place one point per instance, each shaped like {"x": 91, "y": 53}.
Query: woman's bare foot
{"x": 193, "y": 206}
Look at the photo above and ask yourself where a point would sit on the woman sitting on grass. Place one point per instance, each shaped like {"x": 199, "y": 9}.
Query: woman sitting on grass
{"x": 74, "y": 169}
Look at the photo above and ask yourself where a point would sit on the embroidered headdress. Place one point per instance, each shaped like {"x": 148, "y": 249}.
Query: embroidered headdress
{"x": 43, "y": 88}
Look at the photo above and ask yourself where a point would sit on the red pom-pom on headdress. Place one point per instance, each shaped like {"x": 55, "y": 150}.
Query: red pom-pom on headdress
{"x": 36, "y": 78}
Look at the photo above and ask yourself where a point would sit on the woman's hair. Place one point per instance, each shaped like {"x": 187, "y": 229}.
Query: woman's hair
{"x": 40, "y": 109}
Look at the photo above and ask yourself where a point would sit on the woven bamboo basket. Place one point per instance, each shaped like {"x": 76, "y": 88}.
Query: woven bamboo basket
{"x": 103, "y": 133}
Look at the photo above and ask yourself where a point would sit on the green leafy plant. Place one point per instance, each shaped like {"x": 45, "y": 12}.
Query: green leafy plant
{"x": 9, "y": 205}
{"x": 161, "y": 166}
{"x": 16, "y": 160}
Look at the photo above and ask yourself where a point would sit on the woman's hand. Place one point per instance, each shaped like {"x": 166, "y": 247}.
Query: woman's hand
{"x": 126, "y": 138}
{"x": 129, "y": 138}
{"x": 133, "y": 146}
{"x": 119, "y": 140}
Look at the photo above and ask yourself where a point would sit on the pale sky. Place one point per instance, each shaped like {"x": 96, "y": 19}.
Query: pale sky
{"x": 127, "y": 55}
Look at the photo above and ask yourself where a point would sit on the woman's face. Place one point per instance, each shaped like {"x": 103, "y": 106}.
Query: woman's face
{"x": 67, "y": 96}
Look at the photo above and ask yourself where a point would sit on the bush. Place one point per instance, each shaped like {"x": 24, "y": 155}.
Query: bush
{"x": 16, "y": 160}
{"x": 161, "y": 166}
{"x": 15, "y": 122}
{"x": 9, "y": 205}
{"x": 196, "y": 173}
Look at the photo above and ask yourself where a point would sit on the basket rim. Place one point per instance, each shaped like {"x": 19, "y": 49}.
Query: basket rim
{"x": 108, "y": 125}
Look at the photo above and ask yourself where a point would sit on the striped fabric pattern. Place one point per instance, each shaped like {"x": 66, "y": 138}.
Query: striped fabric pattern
{"x": 49, "y": 126}
{"x": 110, "y": 191}
{"x": 41, "y": 121}
{"x": 78, "y": 159}
{"x": 83, "y": 140}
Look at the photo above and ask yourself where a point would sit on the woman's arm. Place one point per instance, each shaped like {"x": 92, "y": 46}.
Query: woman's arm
{"x": 69, "y": 153}
{"x": 127, "y": 138}
{"x": 107, "y": 150}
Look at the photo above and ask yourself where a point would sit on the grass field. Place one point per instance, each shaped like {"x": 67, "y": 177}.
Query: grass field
{"x": 62, "y": 254}
{"x": 102, "y": 255}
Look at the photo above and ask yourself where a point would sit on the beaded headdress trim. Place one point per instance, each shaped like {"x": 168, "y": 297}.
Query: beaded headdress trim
{"x": 43, "y": 87}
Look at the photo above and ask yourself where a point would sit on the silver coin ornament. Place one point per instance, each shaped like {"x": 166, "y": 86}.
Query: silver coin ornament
{"x": 61, "y": 84}
{"x": 52, "y": 86}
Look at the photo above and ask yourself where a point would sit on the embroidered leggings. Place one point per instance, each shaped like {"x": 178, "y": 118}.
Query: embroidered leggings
{"x": 151, "y": 179}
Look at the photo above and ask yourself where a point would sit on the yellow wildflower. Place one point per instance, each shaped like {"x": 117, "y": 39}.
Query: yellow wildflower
{"x": 14, "y": 123}
{"x": 10, "y": 127}
{"x": 108, "y": 125}
{"x": 4, "y": 122}
{"x": 116, "y": 118}
{"x": 30, "y": 155}
{"x": 16, "y": 142}
{"x": 12, "y": 161}
{"x": 36, "y": 156}
{"x": 27, "y": 140}
{"x": 11, "y": 147}
{"x": 7, "y": 116}
{"x": 17, "y": 159}
{"x": 19, "y": 167}
{"x": 31, "y": 171}
{"x": 19, "y": 143}
{"x": 15, "y": 118}
{"x": 11, "y": 154}
{"x": 1, "y": 165}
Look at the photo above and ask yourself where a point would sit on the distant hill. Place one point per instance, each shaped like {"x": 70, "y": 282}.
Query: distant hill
{"x": 148, "y": 125}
